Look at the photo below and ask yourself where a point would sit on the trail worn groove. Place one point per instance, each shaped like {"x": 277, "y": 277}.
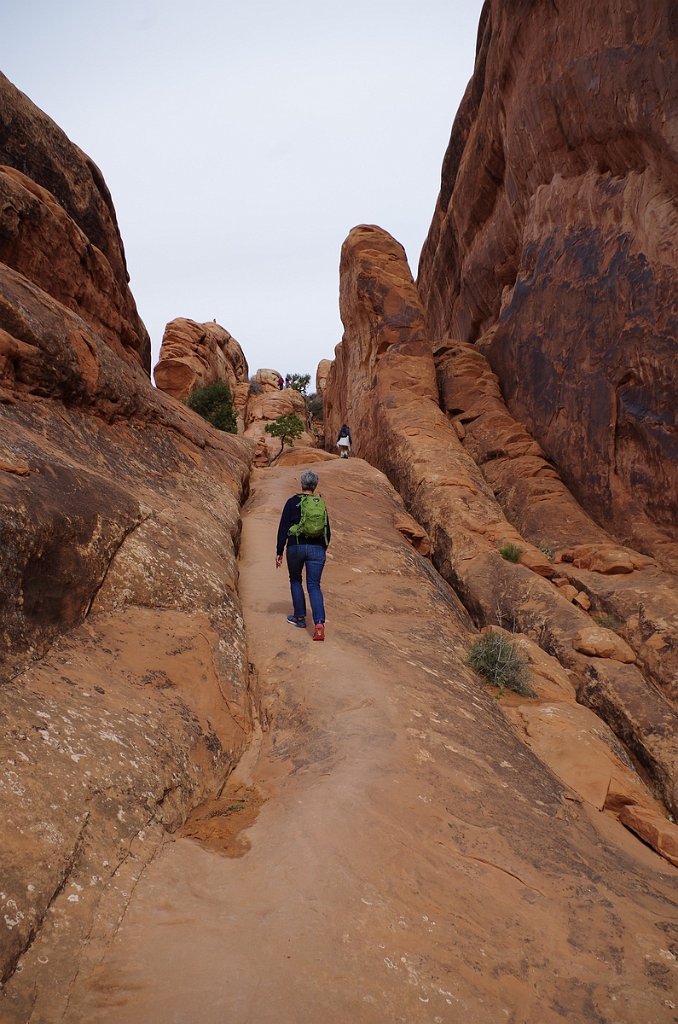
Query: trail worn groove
{"x": 340, "y": 893}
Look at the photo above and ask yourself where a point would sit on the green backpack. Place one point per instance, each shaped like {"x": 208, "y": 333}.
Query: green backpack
{"x": 313, "y": 520}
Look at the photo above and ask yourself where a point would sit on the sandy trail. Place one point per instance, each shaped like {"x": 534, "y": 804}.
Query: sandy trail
{"x": 385, "y": 877}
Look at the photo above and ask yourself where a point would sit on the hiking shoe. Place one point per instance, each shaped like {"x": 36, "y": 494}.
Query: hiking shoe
{"x": 301, "y": 623}
{"x": 319, "y": 631}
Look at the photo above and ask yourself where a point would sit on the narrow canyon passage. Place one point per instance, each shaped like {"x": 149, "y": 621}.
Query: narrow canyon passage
{"x": 402, "y": 857}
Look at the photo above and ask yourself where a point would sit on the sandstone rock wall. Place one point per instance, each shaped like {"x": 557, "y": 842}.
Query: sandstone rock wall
{"x": 267, "y": 406}
{"x": 552, "y": 246}
{"x": 123, "y": 667}
{"x": 321, "y": 375}
{"x": 536, "y": 501}
{"x": 193, "y": 355}
{"x": 59, "y": 229}
{"x": 383, "y": 384}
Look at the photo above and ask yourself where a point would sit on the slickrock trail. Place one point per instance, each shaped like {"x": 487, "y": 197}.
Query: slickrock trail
{"x": 411, "y": 860}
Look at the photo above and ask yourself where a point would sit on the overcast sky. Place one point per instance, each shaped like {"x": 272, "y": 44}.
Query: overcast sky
{"x": 242, "y": 141}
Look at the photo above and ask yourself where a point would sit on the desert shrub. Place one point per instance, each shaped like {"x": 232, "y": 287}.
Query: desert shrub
{"x": 287, "y": 428}
{"x": 499, "y": 659}
{"x": 215, "y": 404}
{"x": 547, "y": 550}
{"x": 314, "y": 404}
{"x": 298, "y": 381}
{"x": 256, "y": 387}
{"x": 511, "y": 552}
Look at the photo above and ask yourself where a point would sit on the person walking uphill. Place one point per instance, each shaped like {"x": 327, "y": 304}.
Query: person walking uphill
{"x": 344, "y": 441}
{"x": 305, "y": 529}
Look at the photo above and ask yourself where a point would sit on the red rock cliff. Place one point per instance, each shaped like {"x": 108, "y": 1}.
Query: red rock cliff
{"x": 382, "y": 383}
{"x": 123, "y": 669}
{"x": 553, "y": 243}
{"x": 58, "y": 226}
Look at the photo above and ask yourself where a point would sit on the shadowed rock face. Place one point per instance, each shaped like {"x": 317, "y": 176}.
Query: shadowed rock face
{"x": 59, "y": 229}
{"x": 552, "y": 245}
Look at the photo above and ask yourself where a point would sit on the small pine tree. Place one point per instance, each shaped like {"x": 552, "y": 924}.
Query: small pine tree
{"x": 298, "y": 381}
{"x": 215, "y": 404}
{"x": 287, "y": 428}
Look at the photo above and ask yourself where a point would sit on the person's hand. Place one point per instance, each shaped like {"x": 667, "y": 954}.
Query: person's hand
{"x": 278, "y": 561}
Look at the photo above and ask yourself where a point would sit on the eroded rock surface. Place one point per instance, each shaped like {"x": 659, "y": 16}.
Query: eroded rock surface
{"x": 193, "y": 355}
{"x": 383, "y": 385}
{"x": 58, "y": 226}
{"x": 267, "y": 406}
{"x": 552, "y": 245}
{"x": 123, "y": 668}
{"x": 620, "y": 586}
{"x": 321, "y": 375}
{"x": 411, "y": 859}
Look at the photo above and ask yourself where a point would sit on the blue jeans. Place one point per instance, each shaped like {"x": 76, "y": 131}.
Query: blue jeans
{"x": 313, "y": 557}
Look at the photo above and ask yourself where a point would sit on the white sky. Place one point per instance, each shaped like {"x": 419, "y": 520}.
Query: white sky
{"x": 242, "y": 141}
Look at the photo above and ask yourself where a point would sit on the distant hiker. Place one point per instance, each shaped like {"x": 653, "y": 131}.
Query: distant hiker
{"x": 280, "y": 384}
{"x": 344, "y": 441}
{"x": 305, "y": 528}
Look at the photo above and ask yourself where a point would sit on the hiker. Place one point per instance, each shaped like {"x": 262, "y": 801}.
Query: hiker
{"x": 305, "y": 528}
{"x": 344, "y": 441}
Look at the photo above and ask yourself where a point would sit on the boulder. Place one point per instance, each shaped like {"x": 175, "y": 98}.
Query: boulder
{"x": 653, "y": 828}
{"x": 270, "y": 405}
{"x": 193, "y": 355}
{"x": 607, "y": 559}
{"x": 268, "y": 380}
{"x": 321, "y": 375}
{"x": 603, "y": 643}
{"x": 266, "y": 407}
{"x": 301, "y": 455}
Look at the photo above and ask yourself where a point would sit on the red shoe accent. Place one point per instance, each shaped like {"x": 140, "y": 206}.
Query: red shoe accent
{"x": 319, "y": 631}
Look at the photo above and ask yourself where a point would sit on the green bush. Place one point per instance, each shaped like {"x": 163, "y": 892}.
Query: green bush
{"x": 547, "y": 550}
{"x": 298, "y": 381}
{"x": 215, "y": 404}
{"x": 511, "y": 552}
{"x": 501, "y": 662}
{"x": 314, "y": 404}
{"x": 287, "y": 428}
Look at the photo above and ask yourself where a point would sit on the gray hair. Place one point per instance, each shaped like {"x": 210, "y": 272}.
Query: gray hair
{"x": 309, "y": 480}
